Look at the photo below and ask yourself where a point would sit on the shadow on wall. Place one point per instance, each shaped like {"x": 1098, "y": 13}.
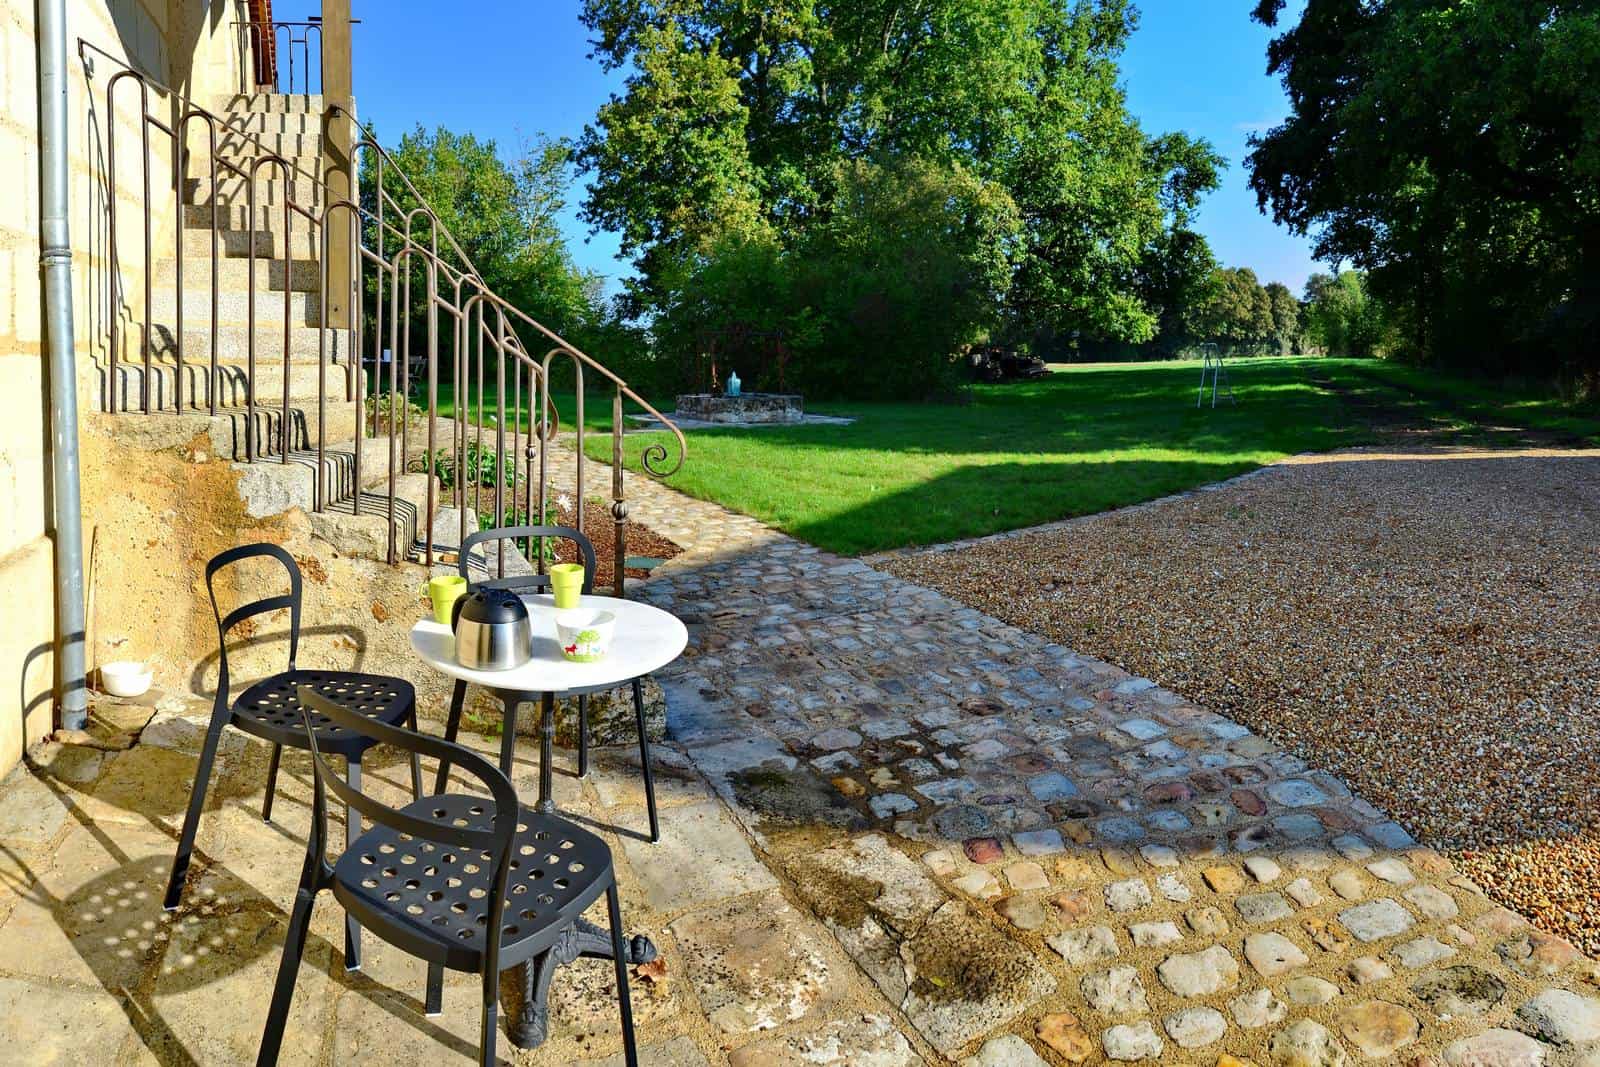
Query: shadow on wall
{"x": 261, "y": 655}
{"x": 36, "y": 691}
{"x": 168, "y": 56}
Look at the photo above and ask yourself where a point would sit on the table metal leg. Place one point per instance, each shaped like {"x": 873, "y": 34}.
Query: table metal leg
{"x": 531, "y": 1025}
{"x": 509, "y": 703}
{"x": 547, "y": 743}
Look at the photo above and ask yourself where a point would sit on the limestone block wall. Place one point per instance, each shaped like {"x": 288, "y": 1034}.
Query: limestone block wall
{"x": 191, "y": 45}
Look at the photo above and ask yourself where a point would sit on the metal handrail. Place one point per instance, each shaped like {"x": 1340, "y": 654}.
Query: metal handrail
{"x": 461, "y": 313}
{"x": 255, "y": 40}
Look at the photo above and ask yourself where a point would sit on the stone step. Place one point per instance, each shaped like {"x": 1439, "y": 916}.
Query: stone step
{"x": 235, "y": 244}
{"x": 302, "y": 186}
{"x": 305, "y": 343}
{"x": 273, "y": 486}
{"x": 447, "y": 535}
{"x": 232, "y": 104}
{"x": 233, "y": 307}
{"x": 267, "y": 219}
{"x": 303, "y": 275}
{"x": 360, "y": 526}
{"x": 192, "y": 388}
{"x": 202, "y": 436}
{"x": 264, "y": 122}
{"x": 237, "y": 216}
{"x": 289, "y": 143}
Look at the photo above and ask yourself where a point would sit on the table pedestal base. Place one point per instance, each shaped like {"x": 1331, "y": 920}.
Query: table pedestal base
{"x": 531, "y": 1026}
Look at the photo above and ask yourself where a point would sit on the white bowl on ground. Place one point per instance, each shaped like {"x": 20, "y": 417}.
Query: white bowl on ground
{"x": 126, "y": 678}
{"x": 584, "y": 633}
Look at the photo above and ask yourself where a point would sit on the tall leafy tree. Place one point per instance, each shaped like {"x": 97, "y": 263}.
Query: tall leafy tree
{"x": 504, "y": 214}
{"x": 1342, "y": 318}
{"x": 1285, "y": 317}
{"x": 1235, "y": 311}
{"x": 746, "y": 125}
{"x": 1451, "y": 150}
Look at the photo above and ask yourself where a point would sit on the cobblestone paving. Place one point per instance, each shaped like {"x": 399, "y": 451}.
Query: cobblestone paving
{"x": 1037, "y": 857}
{"x": 896, "y": 831}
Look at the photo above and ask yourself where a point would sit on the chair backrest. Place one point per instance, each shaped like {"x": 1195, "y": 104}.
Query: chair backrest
{"x": 290, "y": 600}
{"x": 493, "y": 844}
{"x": 524, "y": 583}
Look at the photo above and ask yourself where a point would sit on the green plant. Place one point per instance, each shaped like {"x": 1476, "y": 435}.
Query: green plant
{"x": 391, "y": 411}
{"x": 517, "y": 515}
{"x": 480, "y": 465}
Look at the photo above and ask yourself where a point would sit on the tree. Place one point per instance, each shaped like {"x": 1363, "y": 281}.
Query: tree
{"x": 1451, "y": 151}
{"x": 1285, "y": 317}
{"x": 505, "y": 217}
{"x": 1234, "y": 311}
{"x": 1342, "y": 318}
{"x": 910, "y": 264}
{"x": 749, "y": 126}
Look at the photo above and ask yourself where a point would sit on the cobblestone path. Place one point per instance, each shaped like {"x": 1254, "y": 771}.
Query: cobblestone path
{"x": 1034, "y": 855}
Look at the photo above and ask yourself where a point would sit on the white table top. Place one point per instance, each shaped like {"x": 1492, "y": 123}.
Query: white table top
{"x": 645, "y": 639}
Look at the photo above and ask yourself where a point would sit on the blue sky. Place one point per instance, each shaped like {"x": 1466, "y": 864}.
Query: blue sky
{"x": 1194, "y": 65}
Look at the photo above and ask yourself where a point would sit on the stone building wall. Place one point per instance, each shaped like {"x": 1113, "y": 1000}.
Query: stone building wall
{"x": 192, "y": 46}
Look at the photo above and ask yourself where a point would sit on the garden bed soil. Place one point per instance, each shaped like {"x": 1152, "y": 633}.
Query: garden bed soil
{"x": 641, "y": 542}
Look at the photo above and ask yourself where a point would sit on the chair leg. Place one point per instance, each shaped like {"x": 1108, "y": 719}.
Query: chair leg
{"x": 416, "y": 762}
{"x": 583, "y": 736}
{"x": 491, "y": 1019}
{"x": 630, "y": 1053}
{"x": 288, "y": 970}
{"x": 197, "y": 800}
{"x": 272, "y": 783}
{"x": 452, "y": 726}
{"x": 644, "y": 759}
{"x": 433, "y": 1004}
{"x": 352, "y": 830}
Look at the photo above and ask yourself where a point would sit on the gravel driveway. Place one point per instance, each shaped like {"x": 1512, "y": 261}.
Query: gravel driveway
{"x": 1425, "y": 623}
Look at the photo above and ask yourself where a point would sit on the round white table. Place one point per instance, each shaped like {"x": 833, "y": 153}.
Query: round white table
{"x": 645, "y": 639}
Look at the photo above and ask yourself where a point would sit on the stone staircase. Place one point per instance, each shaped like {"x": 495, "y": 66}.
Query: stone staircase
{"x": 304, "y": 376}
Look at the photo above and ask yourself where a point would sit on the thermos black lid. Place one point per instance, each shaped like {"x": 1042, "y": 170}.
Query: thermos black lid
{"x": 492, "y": 607}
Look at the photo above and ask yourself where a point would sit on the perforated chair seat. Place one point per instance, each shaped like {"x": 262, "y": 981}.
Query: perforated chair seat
{"x": 432, "y": 900}
{"x": 270, "y": 709}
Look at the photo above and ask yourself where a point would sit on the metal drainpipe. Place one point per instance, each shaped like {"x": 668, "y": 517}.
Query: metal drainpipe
{"x": 56, "y": 261}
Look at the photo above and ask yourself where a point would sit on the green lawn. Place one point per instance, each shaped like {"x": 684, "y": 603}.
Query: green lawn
{"x": 1085, "y": 439}
{"x": 596, "y": 410}
{"x": 1080, "y": 441}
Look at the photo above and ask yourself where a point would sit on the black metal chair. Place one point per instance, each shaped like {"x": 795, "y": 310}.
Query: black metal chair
{"x": 466, "y": 882}
{"x": 539, "y": 583}
{"x": 270, "y": 709}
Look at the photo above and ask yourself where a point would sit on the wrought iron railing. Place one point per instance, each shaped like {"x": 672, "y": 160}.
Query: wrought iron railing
{"x": 471, "y": 333}
{"x": 280, "y": 57}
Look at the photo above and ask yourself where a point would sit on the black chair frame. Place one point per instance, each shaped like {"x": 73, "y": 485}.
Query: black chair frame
{"x": 539, "y": 583}
{"x": 267, "y": 710}
{"x": 457, "y": 854}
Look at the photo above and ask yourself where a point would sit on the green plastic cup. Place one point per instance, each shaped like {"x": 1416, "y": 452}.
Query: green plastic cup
{"x": 444, "y": 590}
{"x": 566, "y": 583}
